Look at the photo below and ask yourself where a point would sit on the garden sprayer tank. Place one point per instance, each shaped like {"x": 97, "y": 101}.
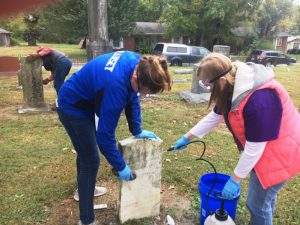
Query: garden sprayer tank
{"x": 220, "y": 217}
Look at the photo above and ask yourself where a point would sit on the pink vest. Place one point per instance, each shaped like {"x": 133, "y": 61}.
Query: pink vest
{"x": 281, "y": 158}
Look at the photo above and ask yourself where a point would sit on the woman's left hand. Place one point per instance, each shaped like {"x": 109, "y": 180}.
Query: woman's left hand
{"x": 146, "y": 134}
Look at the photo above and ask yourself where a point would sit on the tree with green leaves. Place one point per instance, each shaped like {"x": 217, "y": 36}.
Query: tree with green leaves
{"x": 32, "y": 31}
{"x": 121, "y": 17}
{"x": 294, "y": 22}
{"x": 151, "y": 10}
{"x": 207, "y": 22}
{"x": 270, "y": 14}
{"x": 65, "y": 21}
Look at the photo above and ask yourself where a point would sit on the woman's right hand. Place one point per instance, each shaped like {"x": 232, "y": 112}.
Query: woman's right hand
{"x": 126, "y": 174}
{"x": 181, "y": 143}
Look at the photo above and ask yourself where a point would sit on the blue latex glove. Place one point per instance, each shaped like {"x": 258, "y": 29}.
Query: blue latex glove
{"x": 181, "y": 143}
{"x": 231, "y": 189}
{"x": 125, "y": 174}
{"x": 146, "y": 134}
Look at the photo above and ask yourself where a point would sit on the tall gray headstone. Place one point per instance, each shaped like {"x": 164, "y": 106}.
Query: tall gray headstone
{"x": 197, "y": 94}
{"x": 140, "y": 198}
{"x": 97, "y": 26}
{"x": 196, "y": 88}
{"x": 32, "y": 84}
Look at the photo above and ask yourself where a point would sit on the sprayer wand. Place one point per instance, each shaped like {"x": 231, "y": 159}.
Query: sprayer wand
{"x": 213, "y": 167}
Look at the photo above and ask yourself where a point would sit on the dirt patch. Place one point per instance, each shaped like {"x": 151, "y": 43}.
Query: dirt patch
{"x": 174, "y": 204}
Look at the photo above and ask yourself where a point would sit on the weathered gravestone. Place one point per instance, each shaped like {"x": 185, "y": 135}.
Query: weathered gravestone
{"x": 197, "y": 94}
{"x": 32, "y": 83}
{"x": 140, "y": 198}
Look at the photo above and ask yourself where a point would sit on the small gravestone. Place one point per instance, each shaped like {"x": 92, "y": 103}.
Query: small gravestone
{"x": 140, "y": 198}
{"x": 32, "y": 84}
{"x": 223, "y": 49}
{"x": 197, "y": 94}
{"x": 183, "y": 71}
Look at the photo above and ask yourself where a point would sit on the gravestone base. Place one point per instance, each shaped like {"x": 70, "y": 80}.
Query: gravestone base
{"x": 28, "y": 110}
{"x": 194, "y": 98}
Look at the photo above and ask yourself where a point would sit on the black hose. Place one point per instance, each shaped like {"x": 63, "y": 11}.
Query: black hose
{"x": 215, "y": 171}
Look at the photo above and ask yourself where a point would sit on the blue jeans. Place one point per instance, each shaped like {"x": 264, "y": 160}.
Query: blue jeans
{"x": 62, "y": 69}
{"x": 261, "y": 202}
{"x": 81, "y": 131}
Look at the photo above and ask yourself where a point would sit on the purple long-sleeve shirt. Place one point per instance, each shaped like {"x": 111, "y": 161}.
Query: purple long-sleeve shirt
{"x": 262, "y": 115}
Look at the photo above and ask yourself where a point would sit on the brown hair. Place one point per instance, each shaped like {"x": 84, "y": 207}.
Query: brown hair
{"x": 153, "y": 73}
{"x": 211, "y": 67}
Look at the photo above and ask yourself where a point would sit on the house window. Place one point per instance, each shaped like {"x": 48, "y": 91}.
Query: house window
{"x": 117, "y": 43}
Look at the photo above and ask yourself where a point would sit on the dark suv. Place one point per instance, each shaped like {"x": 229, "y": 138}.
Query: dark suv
{"x": 269, "y": 57}
{"x": 293, "y": 51}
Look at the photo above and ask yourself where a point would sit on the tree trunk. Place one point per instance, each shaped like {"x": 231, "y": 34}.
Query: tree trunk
{"x": 97, "y": 27}
{"x": 32, "y": 40}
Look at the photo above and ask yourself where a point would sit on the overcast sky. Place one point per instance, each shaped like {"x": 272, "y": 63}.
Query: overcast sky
{"x": 297, "y": 2}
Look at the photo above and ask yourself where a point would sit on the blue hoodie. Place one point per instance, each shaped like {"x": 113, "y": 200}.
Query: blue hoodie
{"x": 103, "y": 86}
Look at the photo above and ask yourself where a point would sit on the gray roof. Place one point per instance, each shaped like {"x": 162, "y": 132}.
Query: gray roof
{"x": 283, "y": 34}
{"x": 150, "y": 28}
{"x": 293, "y": 38}
{"x": 2, "y": 31}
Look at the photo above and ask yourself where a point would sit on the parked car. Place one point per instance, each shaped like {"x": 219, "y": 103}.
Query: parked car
{"x": 269, "y": 57}
{"x": 293, "y": 51}
{"x": 180, "y": 54}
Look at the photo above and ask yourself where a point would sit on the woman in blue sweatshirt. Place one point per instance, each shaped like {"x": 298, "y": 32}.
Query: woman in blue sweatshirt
{"x": 106, "y": 86}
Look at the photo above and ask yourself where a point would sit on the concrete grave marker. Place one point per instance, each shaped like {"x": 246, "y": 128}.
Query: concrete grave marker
{"x": 32, "y": 83}
{"x": 140, "y": 198}
{"x": 197, "y": 94}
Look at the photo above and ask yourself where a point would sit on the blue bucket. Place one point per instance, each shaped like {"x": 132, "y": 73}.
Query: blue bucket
{"x": 205, "y": 183}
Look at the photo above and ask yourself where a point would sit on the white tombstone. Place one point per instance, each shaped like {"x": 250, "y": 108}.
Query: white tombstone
{"x": 140, "y": 198}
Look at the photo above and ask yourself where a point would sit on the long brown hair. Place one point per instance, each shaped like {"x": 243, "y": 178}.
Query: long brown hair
{"x": 153, "y": 73}
{"x": 211, "y": 67}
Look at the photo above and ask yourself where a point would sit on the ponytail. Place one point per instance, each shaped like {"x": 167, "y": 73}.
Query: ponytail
{"x": 153, "y": 73}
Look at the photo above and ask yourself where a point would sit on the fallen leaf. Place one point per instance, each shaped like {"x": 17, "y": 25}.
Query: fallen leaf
{"x": 171, "y": 187}
{"x": 168, "y": 160}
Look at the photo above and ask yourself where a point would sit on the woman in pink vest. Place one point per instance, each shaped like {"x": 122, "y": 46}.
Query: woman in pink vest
{"x": 265, "y": 126}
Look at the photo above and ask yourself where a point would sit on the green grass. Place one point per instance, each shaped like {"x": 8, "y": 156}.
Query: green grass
{"x": 295, "y": 56}
{"x": 22, "y": 50}
{"x": 37, "y": 166}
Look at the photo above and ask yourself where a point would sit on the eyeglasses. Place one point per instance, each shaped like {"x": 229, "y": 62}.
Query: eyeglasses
{"x": 207, "y": 83}
{"x": 220, "y": 75}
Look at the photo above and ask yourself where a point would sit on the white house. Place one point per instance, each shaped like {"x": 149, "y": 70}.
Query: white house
{"x": 293, "y": 42}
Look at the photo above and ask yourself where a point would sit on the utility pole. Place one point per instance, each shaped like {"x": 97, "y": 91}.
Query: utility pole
{"x": 97, "y": 27}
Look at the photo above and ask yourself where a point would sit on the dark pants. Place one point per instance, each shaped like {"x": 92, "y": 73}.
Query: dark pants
{"x": 62, "y": 69}
{"x": 81, "y": 131}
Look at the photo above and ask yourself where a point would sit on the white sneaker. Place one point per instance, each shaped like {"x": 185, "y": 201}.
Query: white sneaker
{"x": 98, "y": 191}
